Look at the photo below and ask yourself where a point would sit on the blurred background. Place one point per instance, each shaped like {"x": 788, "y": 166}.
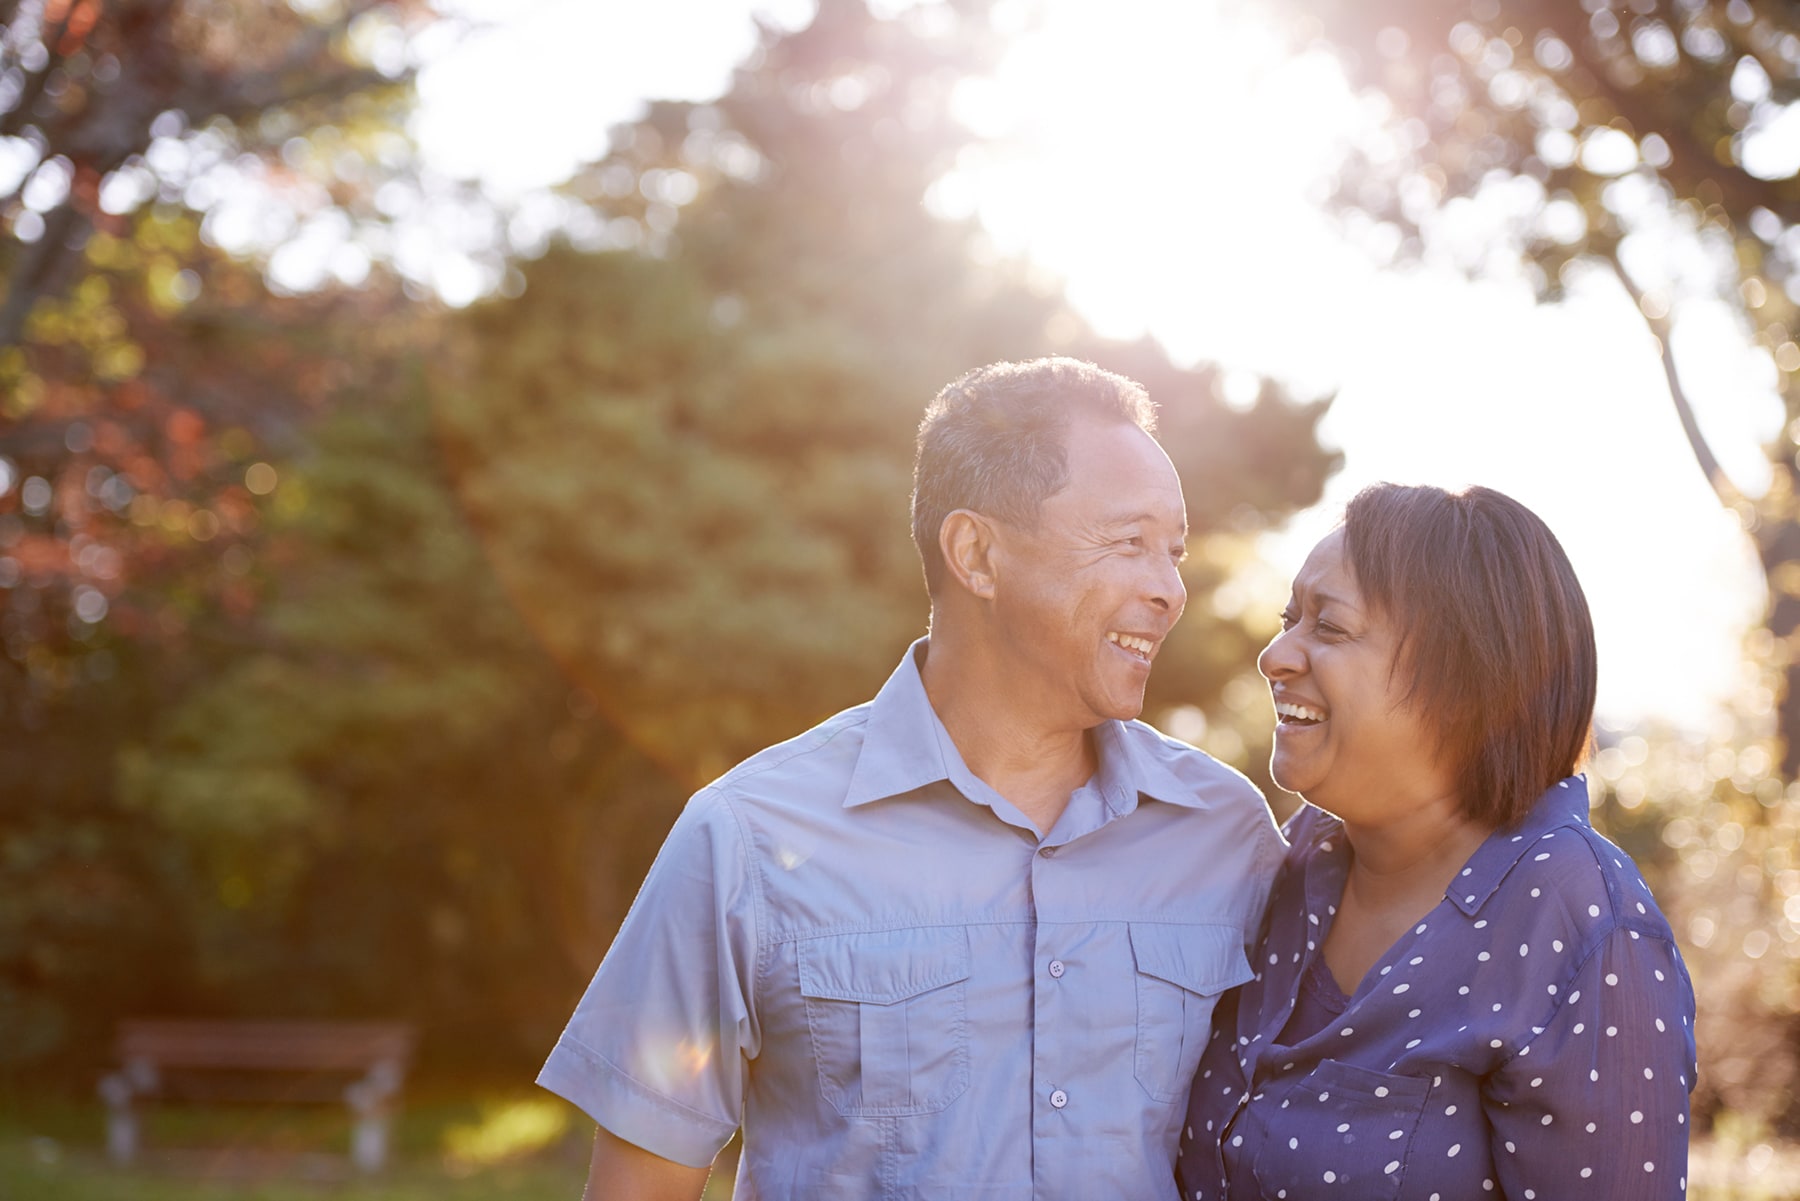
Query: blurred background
{"x": 437, "y": 435}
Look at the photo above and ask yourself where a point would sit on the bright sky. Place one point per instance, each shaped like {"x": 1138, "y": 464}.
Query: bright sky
{"x": 1212, "y": 140}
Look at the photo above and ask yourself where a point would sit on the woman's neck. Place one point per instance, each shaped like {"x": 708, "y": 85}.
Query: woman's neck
{"x": 1399, "y": 871}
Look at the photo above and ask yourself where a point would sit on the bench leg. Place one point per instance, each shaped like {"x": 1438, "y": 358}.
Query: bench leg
{"x": 121, "y": 1136}
{"x": 369, "y": 1100}
{"x": 121, "y": 1120}
{"x": 369, "y": 1142}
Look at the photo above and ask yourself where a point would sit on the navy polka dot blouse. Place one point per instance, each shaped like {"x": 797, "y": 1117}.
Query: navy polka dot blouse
{"x": 1531, "y": 1038}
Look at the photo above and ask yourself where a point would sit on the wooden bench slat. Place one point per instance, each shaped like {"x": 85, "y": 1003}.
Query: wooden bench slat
{"x": 273, "y": 1046}
{"x": 278, "y": 1047}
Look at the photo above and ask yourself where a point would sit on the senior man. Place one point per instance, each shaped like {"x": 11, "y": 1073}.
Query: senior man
{"x": 962, "y": 941}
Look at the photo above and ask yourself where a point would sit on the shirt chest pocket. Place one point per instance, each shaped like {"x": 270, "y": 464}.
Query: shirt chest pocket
{"x": 1181, "y": 970}
{"x": 1343, "y": 1124}
{"x": 888, "y": 1013}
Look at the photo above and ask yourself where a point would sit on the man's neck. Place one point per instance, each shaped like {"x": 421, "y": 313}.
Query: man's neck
{"x": 1031, "y": 762}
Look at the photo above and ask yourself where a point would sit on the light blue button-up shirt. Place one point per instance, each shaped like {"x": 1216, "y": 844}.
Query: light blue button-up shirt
{"x": 871, "y": 961}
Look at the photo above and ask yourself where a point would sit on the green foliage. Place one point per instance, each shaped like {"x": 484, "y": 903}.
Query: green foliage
{"x": 477, "y": 631}
{"x": 80, "y": 880}
{"x": 395, "y": 802}
{"x": 690, "y": 460}
{"x": 135, "y": 372}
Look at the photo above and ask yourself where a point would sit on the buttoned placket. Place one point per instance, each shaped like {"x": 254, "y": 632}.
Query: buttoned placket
{"x": 1051, "y": 1099}
{"x": 1252, "y": 1058}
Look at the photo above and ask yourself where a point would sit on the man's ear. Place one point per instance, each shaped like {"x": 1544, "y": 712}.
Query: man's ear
{"x": 967, "y": 541}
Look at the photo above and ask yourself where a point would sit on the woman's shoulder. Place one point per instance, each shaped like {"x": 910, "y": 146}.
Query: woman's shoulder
{"x": 1310, "y": 830}
{"x": 1571, "y": 870}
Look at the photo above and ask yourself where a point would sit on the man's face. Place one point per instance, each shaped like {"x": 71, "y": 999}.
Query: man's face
{"x": 1086, "y": 598}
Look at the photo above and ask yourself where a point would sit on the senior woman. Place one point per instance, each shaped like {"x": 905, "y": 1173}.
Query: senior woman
{"x": 1462, "y": 990}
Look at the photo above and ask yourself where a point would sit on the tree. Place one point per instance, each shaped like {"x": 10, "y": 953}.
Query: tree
{"x": 396, "y": 804}
{"x": 696, "y": 485}
{"x": 632, "y": 522}
{"x": 90, "y": 85}
{"x": 143, "y": 368}
{"x": 1628, "y": 126}
{"x": 1617, "y": 131}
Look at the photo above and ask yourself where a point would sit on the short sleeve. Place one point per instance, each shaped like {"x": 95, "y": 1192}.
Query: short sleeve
{"x": 1596, "y": 1104}
{"x": 657, "y": 1049}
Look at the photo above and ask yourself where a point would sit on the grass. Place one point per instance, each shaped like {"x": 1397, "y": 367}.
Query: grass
{"x": 525, "y": 1146}
{"x": 521, "y": 1147}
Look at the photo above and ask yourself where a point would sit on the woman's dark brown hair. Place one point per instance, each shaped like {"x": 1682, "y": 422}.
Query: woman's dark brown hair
{"x": 1495, "y": 638}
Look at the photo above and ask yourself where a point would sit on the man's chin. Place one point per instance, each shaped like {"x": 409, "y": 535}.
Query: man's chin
{"x": 1126, "y": 708}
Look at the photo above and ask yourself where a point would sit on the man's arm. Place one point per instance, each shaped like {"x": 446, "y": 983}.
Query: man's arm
{"x": 659, "y": 1048}
{"x": 620, "y": 1171}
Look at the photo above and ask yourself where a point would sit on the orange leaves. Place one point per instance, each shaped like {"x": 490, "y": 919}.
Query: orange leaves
{"x": 78, "y": 18}
{"x": 184, "y": 427}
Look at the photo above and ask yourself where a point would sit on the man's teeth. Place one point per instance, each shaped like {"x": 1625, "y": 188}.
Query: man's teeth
{"x": 1142, "y": 646}
{"x": 1284, "y": 709}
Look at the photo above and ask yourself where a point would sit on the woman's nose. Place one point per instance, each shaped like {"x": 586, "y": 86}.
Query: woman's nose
{"x": 1279, "y": 659}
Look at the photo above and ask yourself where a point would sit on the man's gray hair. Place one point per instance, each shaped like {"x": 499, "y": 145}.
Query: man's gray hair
{"x": 993, "y": 441}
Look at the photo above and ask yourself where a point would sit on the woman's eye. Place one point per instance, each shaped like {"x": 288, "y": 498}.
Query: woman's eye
{"x": 1288, "y": 620}
{"x": 1326, "y": 628}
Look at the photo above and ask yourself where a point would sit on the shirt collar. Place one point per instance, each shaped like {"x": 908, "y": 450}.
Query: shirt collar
{"x": 1132, "y": 748}
{"x": 1564, "y": 803}
{"x": 906, "y": 747}
{"x": 903, "y": 742}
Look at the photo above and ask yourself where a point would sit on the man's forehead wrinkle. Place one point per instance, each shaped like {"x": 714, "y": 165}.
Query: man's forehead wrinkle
{"x": 1141, "y": 516}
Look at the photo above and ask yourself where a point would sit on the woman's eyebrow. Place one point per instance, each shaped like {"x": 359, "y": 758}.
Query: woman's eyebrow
{"x": 1324, "y": 596}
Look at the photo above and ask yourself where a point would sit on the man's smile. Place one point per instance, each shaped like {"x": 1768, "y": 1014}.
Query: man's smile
{"x": 1136, "y": 645}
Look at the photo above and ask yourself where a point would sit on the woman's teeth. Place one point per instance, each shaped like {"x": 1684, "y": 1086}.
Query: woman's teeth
{"x": 1297, "y": 712}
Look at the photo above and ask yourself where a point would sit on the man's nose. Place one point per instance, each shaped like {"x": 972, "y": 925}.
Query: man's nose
{"x": 1167, "y": 590}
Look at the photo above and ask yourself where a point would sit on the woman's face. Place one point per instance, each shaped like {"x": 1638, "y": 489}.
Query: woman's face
{"x": 1344, "y": 737}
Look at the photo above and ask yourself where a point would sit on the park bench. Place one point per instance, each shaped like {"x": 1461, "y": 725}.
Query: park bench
{"x": 359, "y": 1064}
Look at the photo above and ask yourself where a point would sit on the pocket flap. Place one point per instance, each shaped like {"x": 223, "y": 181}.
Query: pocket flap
{"x": 1334, "y": 1076}
{"x": 884, "y": 966}
{"x": 1201, "y": 959}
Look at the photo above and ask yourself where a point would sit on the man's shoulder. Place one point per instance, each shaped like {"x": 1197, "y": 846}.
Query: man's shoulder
{"x": 822, "y": 758}
{"x": 1190, "y": 766}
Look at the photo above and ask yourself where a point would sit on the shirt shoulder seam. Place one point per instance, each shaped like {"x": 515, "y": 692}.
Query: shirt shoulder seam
{"x": 804, "y": 744}
{"x": 1614, "y": 928}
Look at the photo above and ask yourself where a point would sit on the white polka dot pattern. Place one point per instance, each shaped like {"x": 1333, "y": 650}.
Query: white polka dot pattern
{"x": 1531, "y": 1037}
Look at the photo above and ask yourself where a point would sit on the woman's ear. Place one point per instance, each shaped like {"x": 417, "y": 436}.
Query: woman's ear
{"x": 967, "y": 541}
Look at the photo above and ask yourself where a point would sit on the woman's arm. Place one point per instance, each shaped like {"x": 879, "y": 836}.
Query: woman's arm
{"x": 1596, "y": 1105}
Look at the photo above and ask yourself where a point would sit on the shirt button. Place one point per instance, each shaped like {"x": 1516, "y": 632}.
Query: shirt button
{"x": 1047, "y": 852}
{"x": 1058, "y": 1099}
{"x": 1056, "y": 968}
